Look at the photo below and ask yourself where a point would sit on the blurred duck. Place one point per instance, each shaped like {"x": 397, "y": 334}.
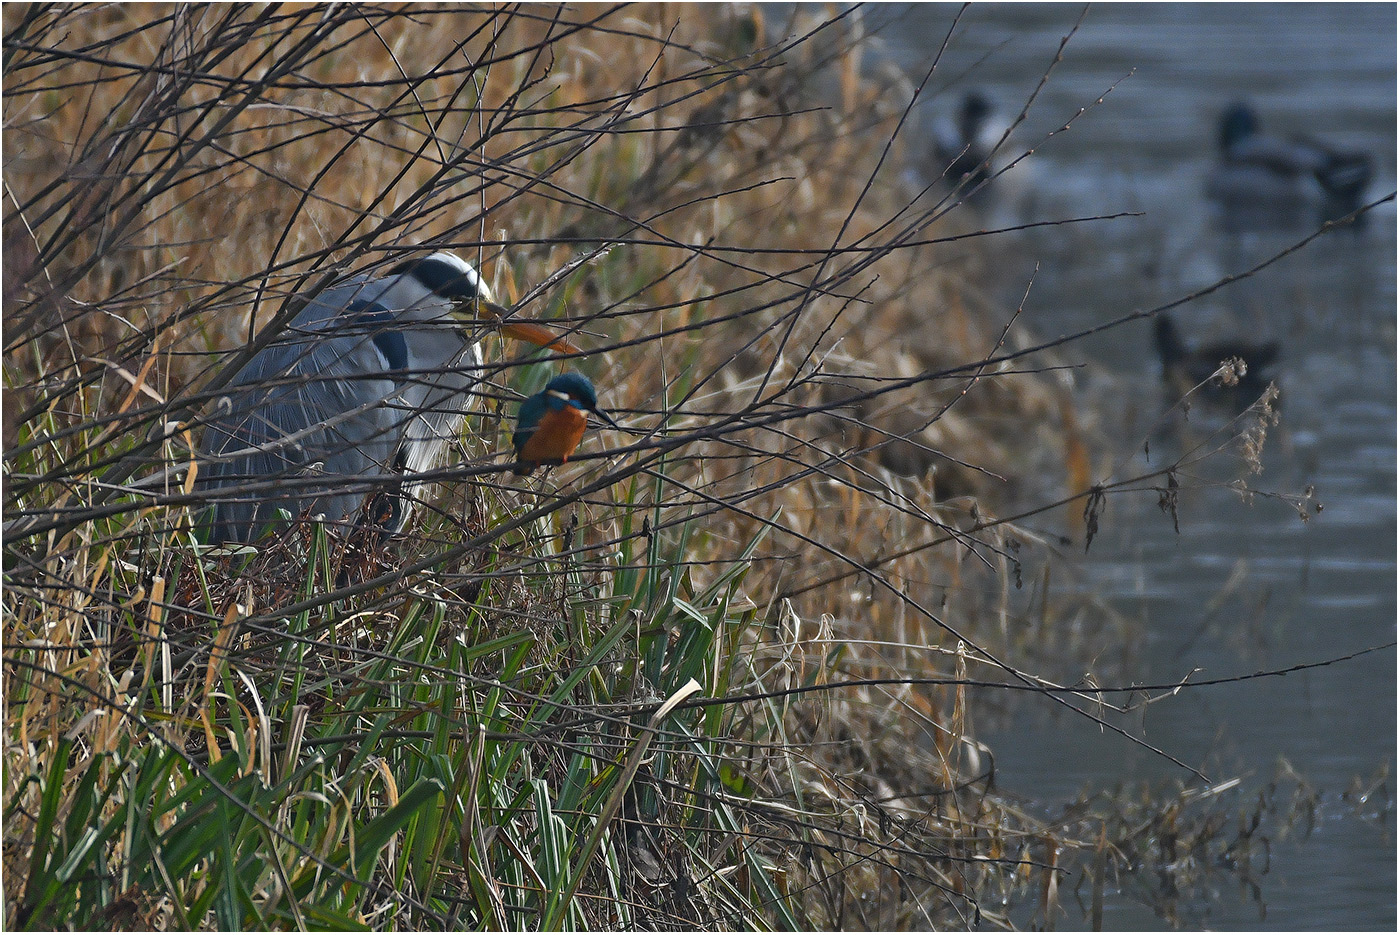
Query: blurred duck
{"x": 962, "y": 145}
{"x": 1271, "y": 181}
{"x": 1185, "y": 366}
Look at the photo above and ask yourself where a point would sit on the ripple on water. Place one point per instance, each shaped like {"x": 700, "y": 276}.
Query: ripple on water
{"x": 1344, "y": 510}
{"x": 1327, "y": 69}
{"x": 1342, "y": 601}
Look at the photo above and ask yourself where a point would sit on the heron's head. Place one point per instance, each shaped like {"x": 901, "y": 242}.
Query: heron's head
{"x": 450, "y": 277}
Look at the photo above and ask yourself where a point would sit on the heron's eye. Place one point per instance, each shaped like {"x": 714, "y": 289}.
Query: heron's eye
{"x": 466, "y": 309}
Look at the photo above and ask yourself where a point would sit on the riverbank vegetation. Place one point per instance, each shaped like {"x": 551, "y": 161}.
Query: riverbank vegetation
{"x": 714, "y": 673}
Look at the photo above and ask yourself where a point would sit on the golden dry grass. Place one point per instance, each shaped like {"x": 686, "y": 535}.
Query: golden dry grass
{"x": 769, "y": 279}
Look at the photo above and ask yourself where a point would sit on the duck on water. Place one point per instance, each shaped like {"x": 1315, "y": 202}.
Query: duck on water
{"x": 1262, "y": 180}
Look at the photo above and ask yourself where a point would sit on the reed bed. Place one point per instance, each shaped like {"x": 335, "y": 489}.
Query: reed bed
{"x": 712, "y": 673}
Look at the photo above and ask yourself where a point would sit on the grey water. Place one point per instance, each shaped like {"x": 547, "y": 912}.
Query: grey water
{"x": 1243, "y": 587}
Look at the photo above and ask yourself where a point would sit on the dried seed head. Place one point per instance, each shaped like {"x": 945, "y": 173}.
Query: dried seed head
{"x": 1231, "y": 372}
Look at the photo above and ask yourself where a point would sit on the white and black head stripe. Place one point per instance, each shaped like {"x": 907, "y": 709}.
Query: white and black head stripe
{"x": 446, "y": 275}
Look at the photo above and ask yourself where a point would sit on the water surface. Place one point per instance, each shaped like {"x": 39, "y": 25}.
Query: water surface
{"x": 1244, "y": 586}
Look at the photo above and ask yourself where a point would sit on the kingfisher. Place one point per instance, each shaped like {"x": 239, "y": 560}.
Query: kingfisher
{"x": 551, "y": 423}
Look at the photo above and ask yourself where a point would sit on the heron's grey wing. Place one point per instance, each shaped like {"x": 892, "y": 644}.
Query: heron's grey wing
{"x": 444, "y": 366}
{"x": 327, "y": 310}
{"x": 442, "y": 358}
{"x": 440, "y": 361}
{"x": 308, "y": 424}
{"x": 948, "y": 143}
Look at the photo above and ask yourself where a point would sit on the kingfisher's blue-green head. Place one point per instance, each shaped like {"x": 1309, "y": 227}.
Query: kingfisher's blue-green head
{"x": 577, "y": 388}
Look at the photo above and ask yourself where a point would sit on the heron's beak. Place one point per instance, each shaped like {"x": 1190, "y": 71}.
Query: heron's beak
{"x": 523, "y": 329}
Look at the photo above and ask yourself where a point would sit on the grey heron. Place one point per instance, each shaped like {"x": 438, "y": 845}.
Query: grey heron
{"x": 369, "y": 383}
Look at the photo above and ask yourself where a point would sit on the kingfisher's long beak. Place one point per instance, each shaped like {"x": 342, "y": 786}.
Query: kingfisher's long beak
{"x": 606, "y": 418}
{"x": 523, "y": 329}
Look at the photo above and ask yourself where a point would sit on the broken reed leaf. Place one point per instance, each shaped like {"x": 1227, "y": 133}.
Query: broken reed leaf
{"x": 1092, "y": 508}
{"x": 1167, "y": 498}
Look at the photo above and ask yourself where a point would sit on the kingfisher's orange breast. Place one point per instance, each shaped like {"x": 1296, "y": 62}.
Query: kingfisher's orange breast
{"x": 556, "y": 437}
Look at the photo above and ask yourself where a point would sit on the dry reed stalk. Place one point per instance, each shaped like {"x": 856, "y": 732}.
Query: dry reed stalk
{"x": 763, "y": 258}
